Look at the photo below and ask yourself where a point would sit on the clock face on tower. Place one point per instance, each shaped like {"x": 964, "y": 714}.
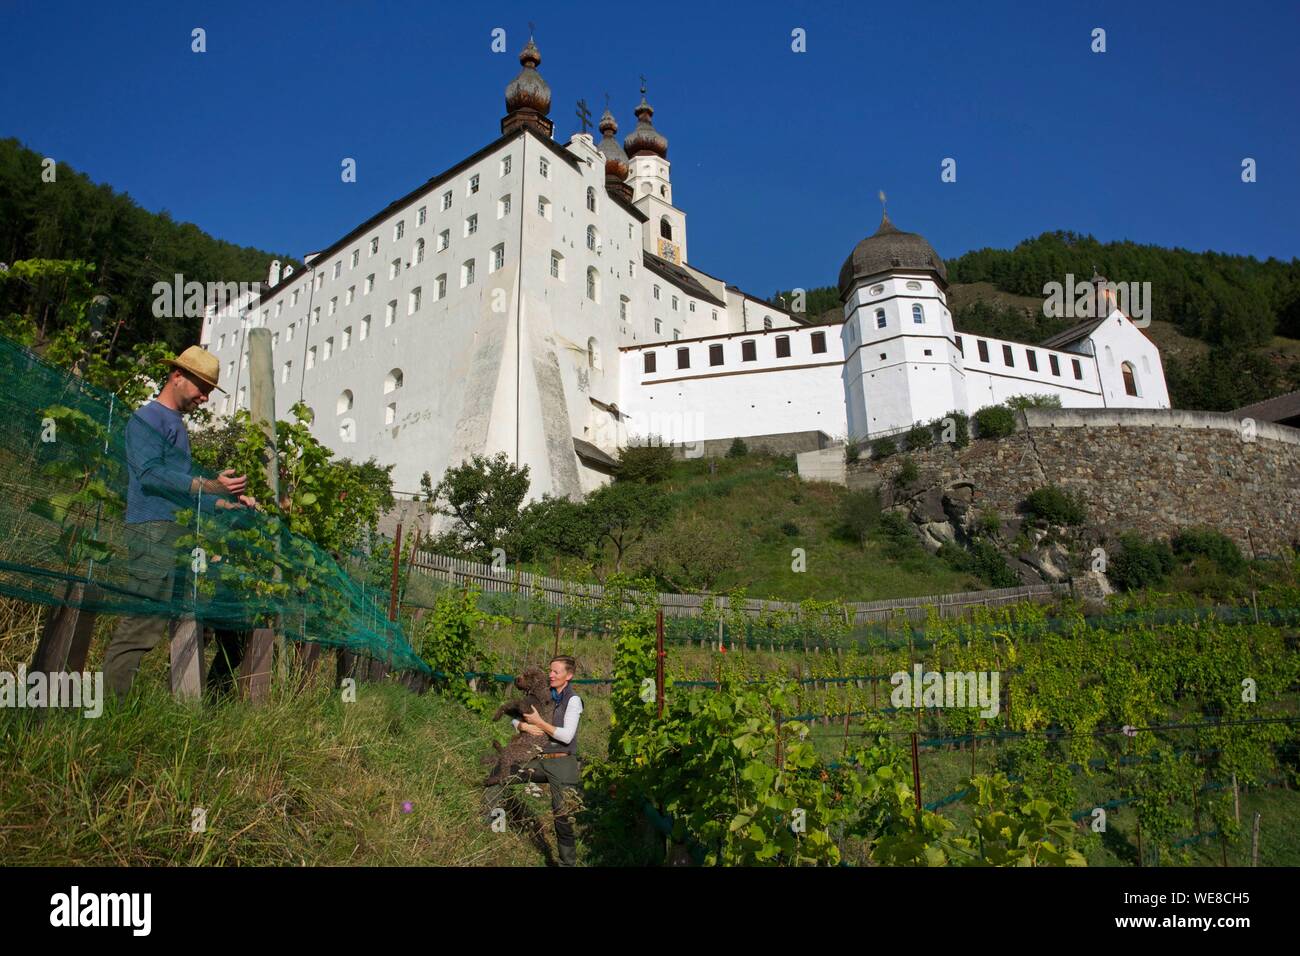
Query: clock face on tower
{"x": 670, "y": 250}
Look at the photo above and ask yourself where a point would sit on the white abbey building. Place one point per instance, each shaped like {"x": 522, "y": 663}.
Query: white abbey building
{"x": 537, "y": 299}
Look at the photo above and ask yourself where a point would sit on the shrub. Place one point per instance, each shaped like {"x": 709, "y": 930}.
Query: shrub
{"x": 988, "y": 522}
{"x": 883, "y": 448}
{"x": 987, "y": 562}
{"x": 907, "y": 473}
{"x": 995, "y": 421}
{"x": 738, "y": 449}
{"x": 785, "y": 463}
{"x": 1055, "y": 506}
{"x": 790, "y": 529}
{"x": 852, "y": 450}
{"x": 1212, "y": 544}
{"x": 645, "y": 463}
{"x": 1020, "y": 402}
{"x": 1139, "y": 563}
{"x": 859, "y": 514}
{"x": 918, "y": 437}
{"x": 953, "y": 427}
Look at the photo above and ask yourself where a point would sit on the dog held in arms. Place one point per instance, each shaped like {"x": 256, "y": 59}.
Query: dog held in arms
{"x": 524, "y": 747}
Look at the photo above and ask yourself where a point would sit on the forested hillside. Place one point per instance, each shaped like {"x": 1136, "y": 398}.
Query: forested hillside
{"x": 128, "y": 248}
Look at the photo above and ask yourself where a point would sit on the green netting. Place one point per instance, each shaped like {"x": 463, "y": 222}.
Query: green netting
{"x": 69, "y": 532}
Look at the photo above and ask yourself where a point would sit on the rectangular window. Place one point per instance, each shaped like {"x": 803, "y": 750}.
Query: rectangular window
{"x": 446, "y": 200}
{"x": 544, "y": 168}
{"x": 675, "y": 303}
{"x": 320, "y": 279}
{"x": 419, "y": 251}
{"x": 311, "y": 358}
{"x": 442, "y": 286}
{"x": 467, "y": 273}
{"x": 356, "y": 257}
{"x": 293, "y": 300}
{"x": 503, "y": 207}
{"x": 473, "y": 184}
{"x": 656, "y": 291}
{"x": 1078, "y": 369}
{"x": 498, "y": 257}
{"x": 329, "y": 349}
{"x": 365, "y": 328}
{"x": 279, "y": 307}
{"x": 783, "y": 346}
{"x": 649, "y": 362}
{"x": 1055, "y": 365}
{"x": 555, "y": 266}
{"x": 683, "y": 358}
{"x": 284, "y": 372}
{"x": 715, "y": 315}
{"x": 370, "y": 283}
{"x": 421, "y": 215}
{"x": 395, "y": 267}
{"x": 338, "y": 269}
{"x": 471, "y": 225}
{"x": 677, "y": 334}
{"x": 289, "y": 336}
{"x": 658, "y": 326}
{"x": 390, "y": 313}
{"x": 222, "y": 344}
{"x": 692, "y": 305}
{"x": 631, "y": 269}
{"x": 715, "y": 354}
{"x": 1007, "y": 358}
{"x": 818, "y": 342}
{"x": 350, "y": 295}
{"x": 622, "y": 308}
{"x": 334, "y": 304}
{"x": 1032, "y": 357}
{"x": 399, "y": 230}
{"x": 444, "y": 239}
{"x": 957, "y": 338}
{"x": 346, "y": 340}
{"x": 505, "y": 166}
{"x": 374, "y": 246}
{"x": 315, "y": 316}
{"x": 413, "y": 301}
{"x": 275, "y": 339}
{"x": 748, "y": 351}
{"x": 542, "y": 203}
{"x": 983, "y": 350}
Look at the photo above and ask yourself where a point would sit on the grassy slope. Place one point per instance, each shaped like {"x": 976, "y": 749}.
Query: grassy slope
{"x": 305, "y": 780}
{"x": 753, "y": 497}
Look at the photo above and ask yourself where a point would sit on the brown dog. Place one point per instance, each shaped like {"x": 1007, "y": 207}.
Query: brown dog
{"x": 524, "y": 747}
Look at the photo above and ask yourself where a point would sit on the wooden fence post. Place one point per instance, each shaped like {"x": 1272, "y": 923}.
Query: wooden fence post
{"x": 65, "y": 638}
{"x": 659, "y": 661}
{"x": 261, "y": 403}
{"x": 187, "y": 658}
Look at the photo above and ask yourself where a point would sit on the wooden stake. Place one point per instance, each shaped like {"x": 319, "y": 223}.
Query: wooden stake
{"x": 1254, "y": 842}
{"x": 186, "y": 659}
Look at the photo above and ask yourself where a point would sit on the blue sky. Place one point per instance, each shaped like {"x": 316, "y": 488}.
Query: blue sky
{"x": 777, "y": 156}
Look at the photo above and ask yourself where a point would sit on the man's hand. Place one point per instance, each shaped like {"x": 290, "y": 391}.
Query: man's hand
{"x": 233, "y": 484}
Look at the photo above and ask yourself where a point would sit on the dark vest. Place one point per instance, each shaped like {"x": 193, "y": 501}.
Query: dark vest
{"x": 552, "y": 745}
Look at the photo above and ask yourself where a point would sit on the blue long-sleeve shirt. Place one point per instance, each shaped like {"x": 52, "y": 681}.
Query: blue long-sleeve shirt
{"x": 159, "y": 466}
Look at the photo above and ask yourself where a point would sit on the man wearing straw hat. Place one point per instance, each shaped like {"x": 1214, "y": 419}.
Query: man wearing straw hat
{"x": 160, "y": 481}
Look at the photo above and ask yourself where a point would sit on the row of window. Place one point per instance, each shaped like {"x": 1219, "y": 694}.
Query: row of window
{"x": 1031, "y": 358}
{"x": 748, "y": 351}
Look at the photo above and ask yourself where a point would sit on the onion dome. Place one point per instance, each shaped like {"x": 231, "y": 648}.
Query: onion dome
{"x": 890, "y": 249}
{"x": 528, "y": 91}
{"x": 645, "y": 139}
{"x": 616, "y": 162}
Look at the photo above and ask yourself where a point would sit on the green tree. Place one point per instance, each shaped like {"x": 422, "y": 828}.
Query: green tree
{"x": 623, "y": 513}
{"x": 484, "y": 496}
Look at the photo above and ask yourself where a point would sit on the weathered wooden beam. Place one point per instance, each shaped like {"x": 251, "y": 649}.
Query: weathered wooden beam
{"x": 186, "y": 658}
{"x": 255, "y": 669}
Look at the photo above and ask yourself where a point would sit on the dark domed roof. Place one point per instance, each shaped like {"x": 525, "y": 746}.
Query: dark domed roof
{"x": 645, "y": 138}
{"x": 528, "y": 90}
{"x": 890, "y": 250}
{"x": 615, "y": 159}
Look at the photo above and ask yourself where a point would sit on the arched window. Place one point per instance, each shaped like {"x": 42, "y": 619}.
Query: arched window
{"x": 880, "y": 318}
{"x": 1110, "y": 356}
{"x": 393, "y": 381}
{"x": 591, "y": 199}
{"x": 593, "y": 285}
{"x": 1130, "y": 379}
{"x": 665, "y": 228}
{"x": 591, "y": 238}
{"x": 593, "y": 353}
{"x": 918, "y": 316}
{"x": 344, "y": 402}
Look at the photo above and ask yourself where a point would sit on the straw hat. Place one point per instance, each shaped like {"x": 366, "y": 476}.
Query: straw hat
{"x": 200, "y": 363}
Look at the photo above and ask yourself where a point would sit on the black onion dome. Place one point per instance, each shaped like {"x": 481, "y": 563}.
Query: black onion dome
{"x": 890, "y": 249}
{"x": 616, "y": 163}
{"x": 645, "y": 138}
{"x": 528, "y": 90}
